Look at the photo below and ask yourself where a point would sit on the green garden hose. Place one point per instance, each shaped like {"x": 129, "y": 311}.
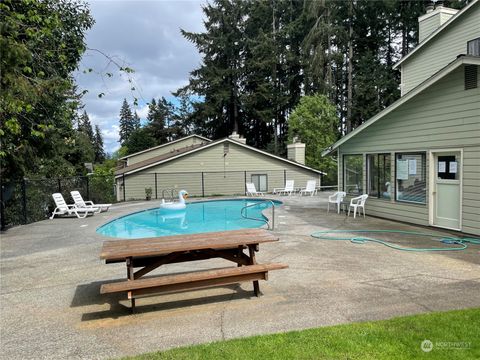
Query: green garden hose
{"x": 462, "y": 243}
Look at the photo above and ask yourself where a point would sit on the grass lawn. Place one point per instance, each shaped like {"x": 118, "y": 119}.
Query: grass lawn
{"x": 454, "y": 335}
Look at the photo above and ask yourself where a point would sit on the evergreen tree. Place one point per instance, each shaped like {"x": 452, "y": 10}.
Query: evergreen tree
{"x": 182, "y": 117}
{"x": 140, "y": 139}
{"x": 159, "y": 115}
{"x": 127, "y": 125}
{"x": 85, "y": 126}
{"x": 98, "y": 145}
{"x": 218, "y": 80}
{"x": 136, "y": 121}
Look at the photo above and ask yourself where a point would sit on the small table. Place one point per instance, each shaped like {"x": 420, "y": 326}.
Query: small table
{"x": 344, "y": 205}
{"x": 151, "y": 253}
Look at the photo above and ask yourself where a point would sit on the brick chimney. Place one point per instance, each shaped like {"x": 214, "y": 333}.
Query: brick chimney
{"x": 296, "y": 151}
{"x": 436, "y": 15}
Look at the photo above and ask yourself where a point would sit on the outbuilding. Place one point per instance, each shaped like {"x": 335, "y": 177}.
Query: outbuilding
{"x": 204, "y": 168}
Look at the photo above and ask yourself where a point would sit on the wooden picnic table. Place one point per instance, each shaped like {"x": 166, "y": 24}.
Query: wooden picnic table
{"x": 150, "y": 253}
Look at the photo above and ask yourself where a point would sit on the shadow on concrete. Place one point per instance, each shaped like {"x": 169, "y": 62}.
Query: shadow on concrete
{"x": 89, "y": 294}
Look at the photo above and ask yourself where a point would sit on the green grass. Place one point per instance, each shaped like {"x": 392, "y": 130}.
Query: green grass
{"x": 398, "y": 338}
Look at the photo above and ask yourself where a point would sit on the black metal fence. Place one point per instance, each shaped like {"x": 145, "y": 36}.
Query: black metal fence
{"x": 30, "y": 200}
{"x": 207, "y": 183}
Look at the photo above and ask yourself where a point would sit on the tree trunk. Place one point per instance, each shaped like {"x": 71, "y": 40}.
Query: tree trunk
{"x": 350, "y": 68}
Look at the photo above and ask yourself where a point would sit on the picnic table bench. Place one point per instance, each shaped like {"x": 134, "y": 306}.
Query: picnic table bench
{"x": 150, "y": 253}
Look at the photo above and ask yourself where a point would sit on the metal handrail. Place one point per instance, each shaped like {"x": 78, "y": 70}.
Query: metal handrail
{"x": 263, "y": 220}
{"x": 172, "y": 197}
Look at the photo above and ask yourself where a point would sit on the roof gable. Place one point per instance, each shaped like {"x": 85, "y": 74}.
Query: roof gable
{"x": 181, "y": 153}
{"x": 436, "y": 33}
{"x": 461, "y": 60}
{"x": 166, "y": 144}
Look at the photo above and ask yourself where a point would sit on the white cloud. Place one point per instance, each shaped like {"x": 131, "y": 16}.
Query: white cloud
{"x": 146, "y": 35}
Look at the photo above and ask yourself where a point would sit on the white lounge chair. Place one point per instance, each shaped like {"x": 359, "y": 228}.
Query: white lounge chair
{"x": 288, "y": 189}
{"x": 64, "y": 209}
{"x": 251, "y": 191}
{"x": 77, "y": 198}
{"x": 336, "y": 199}
{"x": 358, "y": 202}
{"x": 311, "y": 188}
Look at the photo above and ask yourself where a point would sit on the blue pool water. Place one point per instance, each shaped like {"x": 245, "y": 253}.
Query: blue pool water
{"x": 198, "y": 217}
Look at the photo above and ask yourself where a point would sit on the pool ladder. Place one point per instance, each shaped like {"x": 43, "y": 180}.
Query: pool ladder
{"x": 266, "y": 221}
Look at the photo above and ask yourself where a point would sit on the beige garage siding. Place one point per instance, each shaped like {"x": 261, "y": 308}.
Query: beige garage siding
{"x": 222, "y": 175}
{"x": 443, "y": 116}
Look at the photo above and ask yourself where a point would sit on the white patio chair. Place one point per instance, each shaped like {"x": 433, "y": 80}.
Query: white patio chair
{"x": 77, "y": 198}
{"x": 288, "y": 189}
{"x": 64, "y": 209}
{"x": 251, "y": 191}
{"x": 336, "y": 199}
{"x": 311, "y": 188}
{"x": 358, "y": 202}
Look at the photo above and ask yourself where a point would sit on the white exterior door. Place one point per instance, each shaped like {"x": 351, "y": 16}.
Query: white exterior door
{"x": 446, "y": 195}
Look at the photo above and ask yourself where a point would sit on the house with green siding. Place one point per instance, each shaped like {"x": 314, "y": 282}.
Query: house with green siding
{"x": 204, "y": 168}
{"x": 419, "y": 159}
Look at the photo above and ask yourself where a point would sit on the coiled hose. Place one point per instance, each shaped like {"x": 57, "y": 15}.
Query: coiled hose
{"x": 461, "y": 243}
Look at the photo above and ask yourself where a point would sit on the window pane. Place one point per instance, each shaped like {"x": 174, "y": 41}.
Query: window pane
{"x": 447, "y": 167}
{"x": 379, "y": 176}
{"x": 411, "y": 179}
{"x": 353, "y": 174}
{"x": 260, "y": 182}
{"x": 373, "y": 175}
{"x": 473, "y": 47}
{"x": 387, "y": 170}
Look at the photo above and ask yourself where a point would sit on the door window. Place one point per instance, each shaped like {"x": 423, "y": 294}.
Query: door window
{"x": 448, "y": 167}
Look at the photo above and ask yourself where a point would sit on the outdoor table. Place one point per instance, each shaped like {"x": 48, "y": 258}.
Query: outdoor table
{"x": 151, "y": 253}
{"x": 346, "y": 203}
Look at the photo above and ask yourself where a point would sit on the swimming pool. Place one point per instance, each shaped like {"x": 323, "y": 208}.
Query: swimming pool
{"x": 198, "y": 217}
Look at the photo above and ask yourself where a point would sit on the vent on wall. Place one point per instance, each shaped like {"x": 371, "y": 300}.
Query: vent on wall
{"x": 471, "y": 77}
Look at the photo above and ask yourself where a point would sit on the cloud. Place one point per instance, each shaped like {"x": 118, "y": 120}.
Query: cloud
{"x": 144, "y": 35}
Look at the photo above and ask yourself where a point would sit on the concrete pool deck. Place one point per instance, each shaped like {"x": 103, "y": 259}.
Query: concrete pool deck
{"x": 51, "y": 274}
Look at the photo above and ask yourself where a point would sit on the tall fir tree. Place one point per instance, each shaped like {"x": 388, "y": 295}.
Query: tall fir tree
{"x": 260, "y": 57}
{"x": 136, "y": 121}
{"x": 85, "y": 126}
{"x": 159, "y": 116}
{"x": 218, "y": 79}
{"x": 127, "y": 125}
{"x": 98, "y": 145}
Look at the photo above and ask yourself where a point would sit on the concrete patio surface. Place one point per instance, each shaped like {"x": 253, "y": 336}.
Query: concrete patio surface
{"x": 51, "y": 273}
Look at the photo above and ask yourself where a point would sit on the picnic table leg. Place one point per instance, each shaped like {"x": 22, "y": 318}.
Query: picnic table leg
{"x": 253, "y": 261}
{"x": 130, "y": 276}
{"x": 240, "y": 253}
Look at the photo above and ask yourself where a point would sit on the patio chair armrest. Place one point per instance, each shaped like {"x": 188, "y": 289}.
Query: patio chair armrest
{"x": 355, "y": 200}
{"x": 88, "y": 202}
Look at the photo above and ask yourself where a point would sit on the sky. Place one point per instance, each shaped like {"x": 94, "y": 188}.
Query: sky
{"x": 144, "y": 35}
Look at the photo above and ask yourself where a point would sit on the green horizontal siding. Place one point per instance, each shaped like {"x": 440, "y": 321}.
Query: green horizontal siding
{"x": 441, "y": 117}
{"x": 441, "y": 50}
